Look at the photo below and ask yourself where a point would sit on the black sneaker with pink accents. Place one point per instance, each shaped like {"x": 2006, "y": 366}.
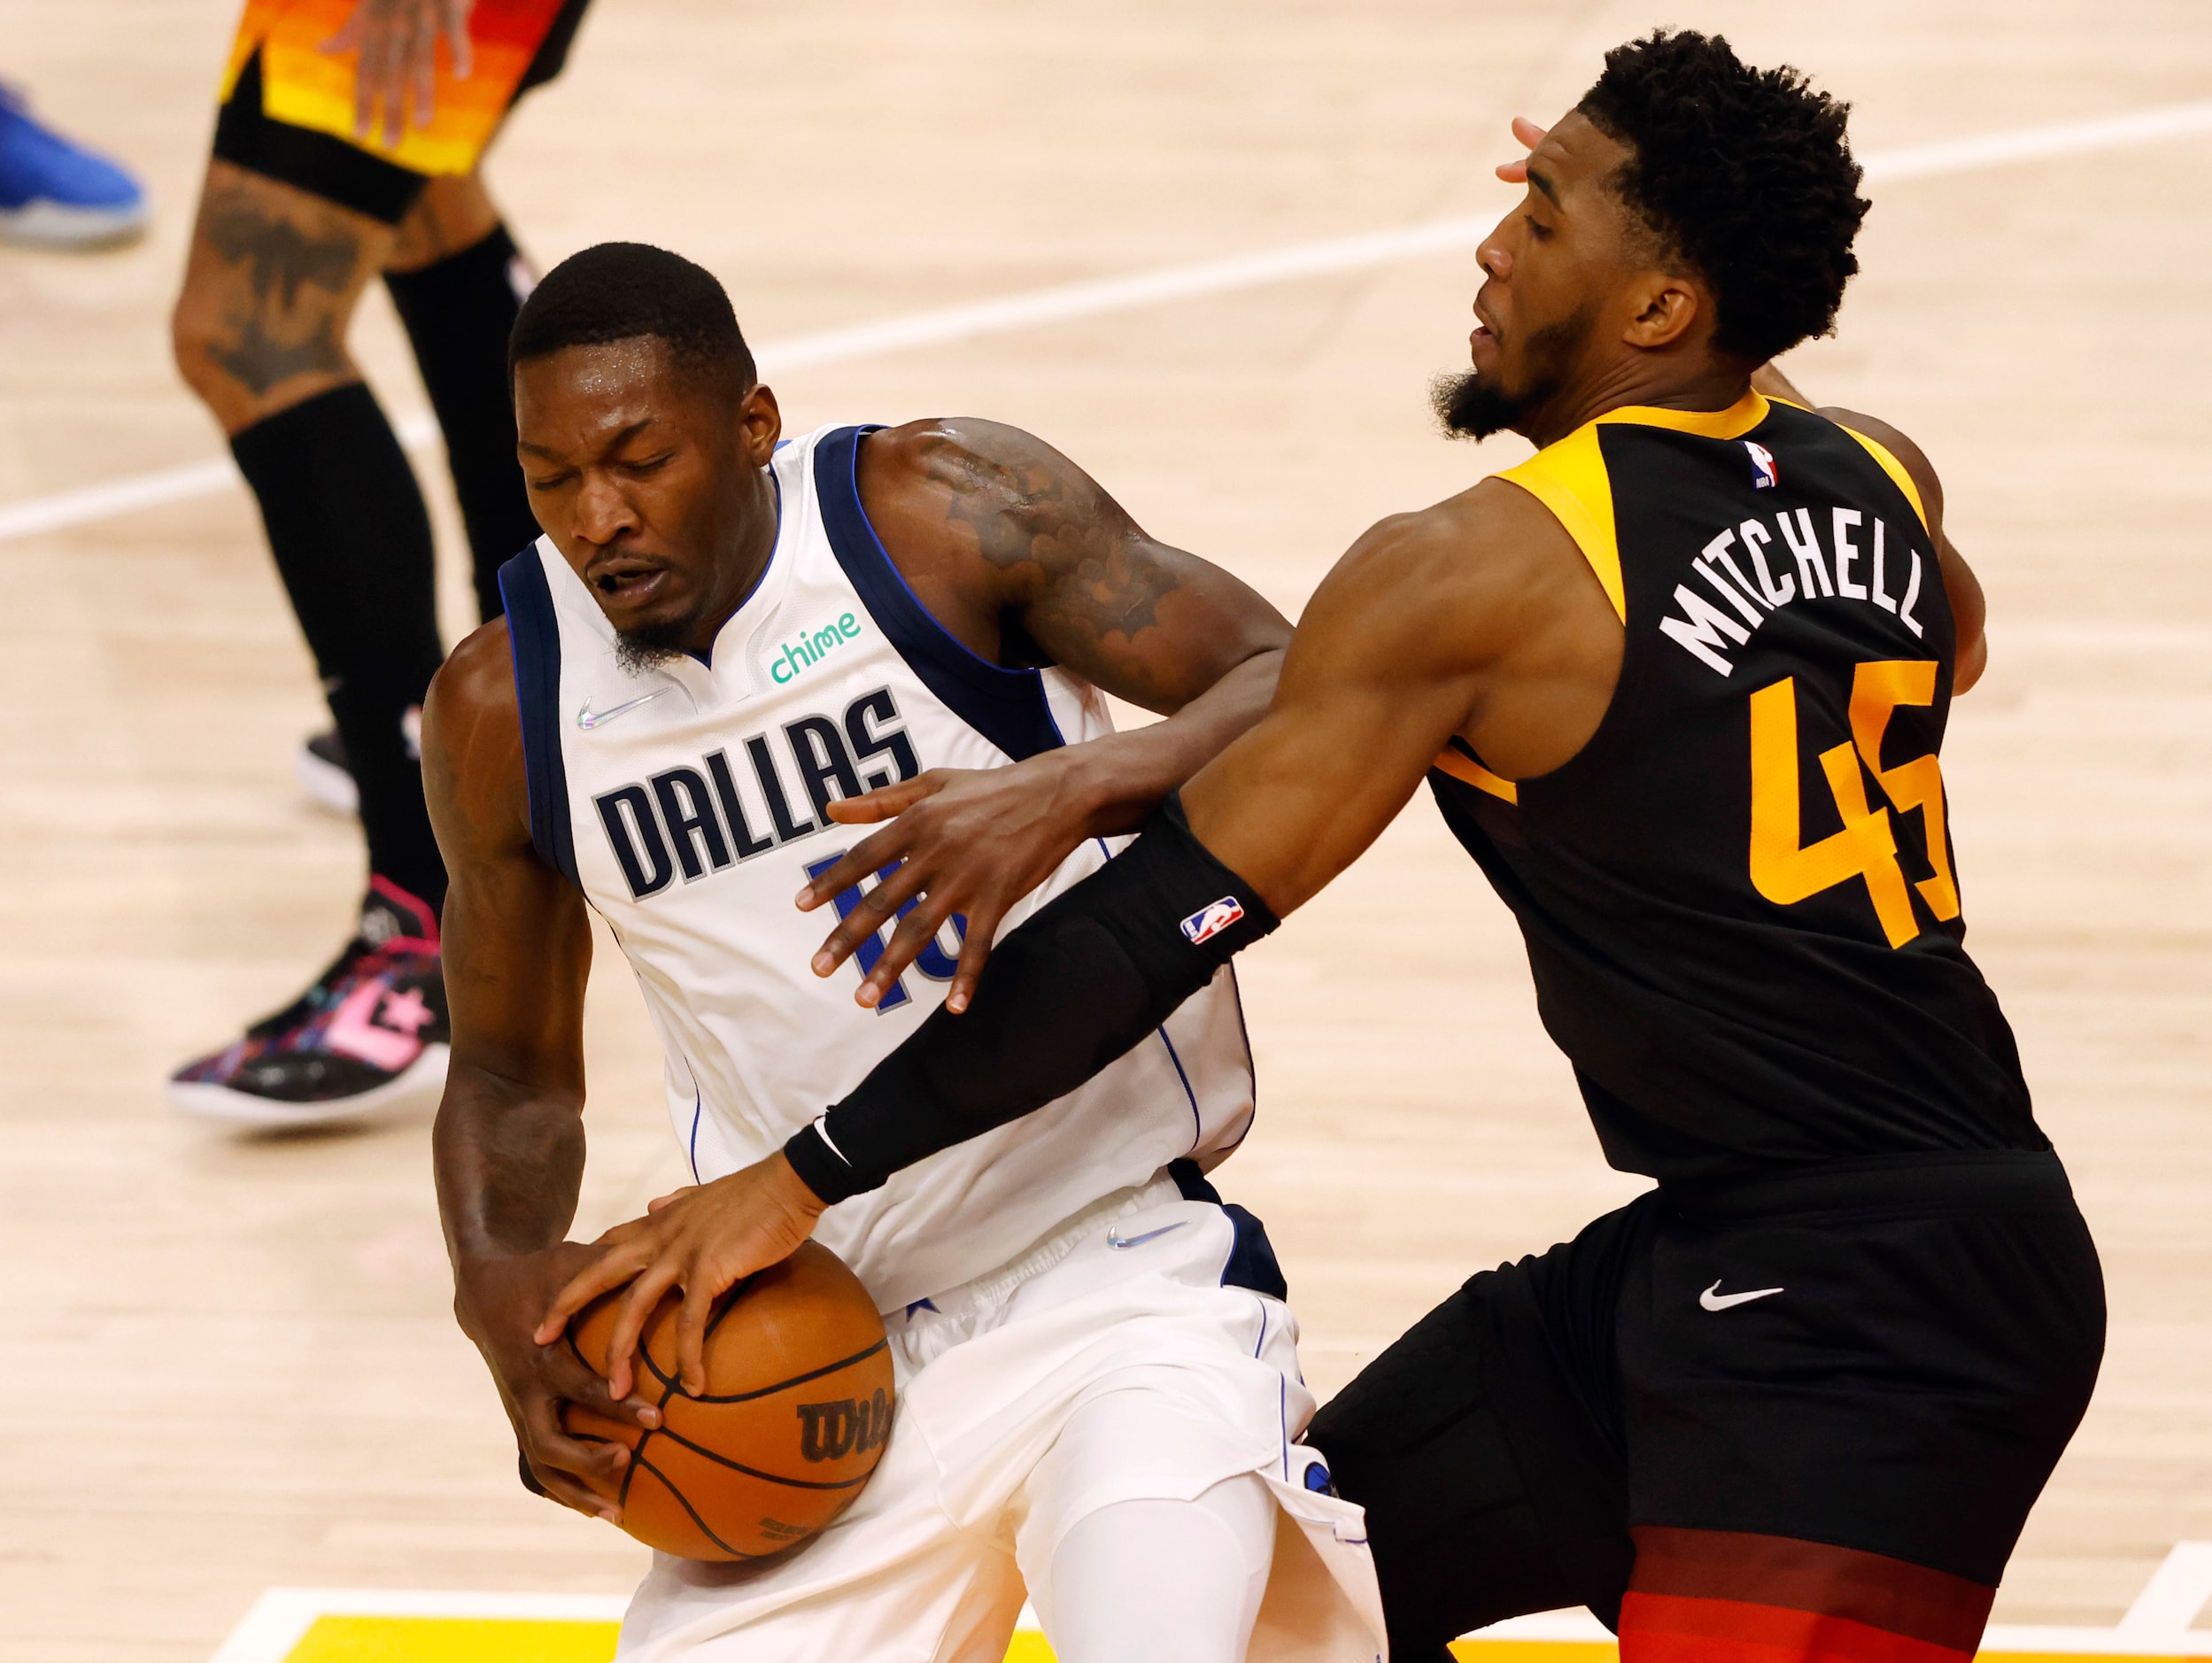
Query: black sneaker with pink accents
{"x": 373, "y": 1031}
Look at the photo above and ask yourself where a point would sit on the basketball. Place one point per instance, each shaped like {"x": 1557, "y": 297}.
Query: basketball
{"x": 794, "y": 1418}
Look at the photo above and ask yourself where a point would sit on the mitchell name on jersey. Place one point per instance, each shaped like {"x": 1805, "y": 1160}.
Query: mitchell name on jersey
{"x": 1782, "y": 561}
{"x": 690, "y": 802}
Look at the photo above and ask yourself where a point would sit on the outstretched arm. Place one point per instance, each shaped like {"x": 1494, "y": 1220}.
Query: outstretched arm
{"x": 508, "y": 1146}
{"x": 1029, "y": 560}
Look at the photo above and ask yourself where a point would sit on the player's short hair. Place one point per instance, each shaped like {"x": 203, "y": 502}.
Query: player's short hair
{"x": 1744, "y": 173}
{"x": 617, "y": 291}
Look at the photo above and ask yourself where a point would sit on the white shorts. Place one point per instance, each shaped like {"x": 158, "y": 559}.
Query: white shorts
{"x": 927, "y": 1567}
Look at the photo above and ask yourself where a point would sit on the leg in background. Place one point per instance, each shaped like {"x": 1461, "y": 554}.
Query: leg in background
{"x": 274, "y": 278}
{"x": 272, "y": 282}
{"x": 458, "y": 282}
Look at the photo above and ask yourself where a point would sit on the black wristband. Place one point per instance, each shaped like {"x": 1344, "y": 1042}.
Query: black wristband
{"x": 1068, "y": 992}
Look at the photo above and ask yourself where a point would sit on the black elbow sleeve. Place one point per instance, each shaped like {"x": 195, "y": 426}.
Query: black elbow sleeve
{"x": 1068, "y": 992}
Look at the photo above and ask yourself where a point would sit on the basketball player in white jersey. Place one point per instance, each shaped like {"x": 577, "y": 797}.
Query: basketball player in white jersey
{"x": 721, "y": 635}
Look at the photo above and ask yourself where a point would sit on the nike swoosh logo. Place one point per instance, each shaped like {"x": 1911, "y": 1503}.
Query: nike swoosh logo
{"x": 1714, "y": 1299}
{"x": 588, "y": 718}
{"x": 1115, "y": 1238}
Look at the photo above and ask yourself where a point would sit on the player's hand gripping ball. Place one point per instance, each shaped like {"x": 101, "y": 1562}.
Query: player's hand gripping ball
{"x": 794, "y": 1418}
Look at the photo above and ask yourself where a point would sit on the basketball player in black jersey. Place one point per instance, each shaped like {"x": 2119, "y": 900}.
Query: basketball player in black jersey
{"x": 1679, "y": 684}
{"x": 346, "y": 150}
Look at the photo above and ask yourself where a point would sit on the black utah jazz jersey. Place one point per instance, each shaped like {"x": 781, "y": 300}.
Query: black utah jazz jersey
{"x": 1739, "y": 898}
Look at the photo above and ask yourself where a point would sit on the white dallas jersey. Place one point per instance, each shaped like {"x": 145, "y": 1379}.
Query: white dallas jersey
{"x": 687, "y": 803}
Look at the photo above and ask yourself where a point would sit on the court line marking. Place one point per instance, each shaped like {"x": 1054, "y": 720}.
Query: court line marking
{"x": 2178, "y": 1592}
{"x": 1065, "y": 302}
{"x": 280, "y": 1618}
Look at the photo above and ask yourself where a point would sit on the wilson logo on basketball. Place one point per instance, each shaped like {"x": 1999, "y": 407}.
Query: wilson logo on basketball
{"x": 829, "y": 1432}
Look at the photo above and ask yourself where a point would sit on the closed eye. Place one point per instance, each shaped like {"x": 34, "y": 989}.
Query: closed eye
{"x": 1538, "y": 228}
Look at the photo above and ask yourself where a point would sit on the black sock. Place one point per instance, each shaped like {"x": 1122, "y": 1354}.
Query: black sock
{"x": 346, "y": 523}
{"x": 459, "y": 313}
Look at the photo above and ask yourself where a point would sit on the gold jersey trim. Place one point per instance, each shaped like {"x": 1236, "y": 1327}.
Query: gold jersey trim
{"x": 1569, "y": 478}
{"x": 1732, "y": 423}
{"x": 1895, "y": 469}
{"x": 1462, "y": 767}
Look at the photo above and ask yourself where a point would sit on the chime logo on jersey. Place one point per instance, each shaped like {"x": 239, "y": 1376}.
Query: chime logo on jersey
{"x": 1209, "y": 921}
{"x": 794, "y": 658}
{"x": 1765, "y": 475}
{"x": 699, "y": 820}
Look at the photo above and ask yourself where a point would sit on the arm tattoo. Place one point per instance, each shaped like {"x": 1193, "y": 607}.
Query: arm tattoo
{"x": 1095, "y": 572}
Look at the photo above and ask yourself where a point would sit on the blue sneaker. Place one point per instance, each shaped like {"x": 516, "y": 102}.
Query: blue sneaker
{"x": 54, "y": 194}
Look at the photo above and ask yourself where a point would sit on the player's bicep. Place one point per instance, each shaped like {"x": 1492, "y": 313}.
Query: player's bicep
{"x": 1149, "y": 622}
{"x": 1376, "y": 682}
{"x": 1146, "y": 621}
{"x": 518, "y": 952}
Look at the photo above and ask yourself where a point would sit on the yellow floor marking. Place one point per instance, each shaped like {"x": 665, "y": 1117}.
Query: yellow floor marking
{"x": 1478, "y": 1651}
{"x": 453, "y": 1640}
{"x": 498, "y": 1640}
{"x": 511, "y": 1640}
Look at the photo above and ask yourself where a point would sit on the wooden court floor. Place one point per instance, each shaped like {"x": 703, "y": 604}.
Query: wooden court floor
{"x": 231, "y": 1363}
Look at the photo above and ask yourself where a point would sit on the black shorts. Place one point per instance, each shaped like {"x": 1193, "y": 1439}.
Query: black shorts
{"x": 337, "y": 169}
{"x": 1857, "y": 1374}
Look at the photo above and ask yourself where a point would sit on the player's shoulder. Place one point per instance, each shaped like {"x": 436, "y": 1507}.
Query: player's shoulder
{"x": 1492, "y": 534}
{"x": 474, "y": 774}
{"x": 477, "y": 680}
{"x": 964, "y": 454}
{"x": 1900, "y": 446}
{"x": 1453, "y": 584}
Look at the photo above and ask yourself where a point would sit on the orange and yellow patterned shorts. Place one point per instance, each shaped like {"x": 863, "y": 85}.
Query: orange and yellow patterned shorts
{"x": 302, "y": 85}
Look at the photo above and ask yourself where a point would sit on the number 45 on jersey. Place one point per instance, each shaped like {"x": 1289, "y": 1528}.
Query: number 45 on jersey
{"x": 1786, "y": 872}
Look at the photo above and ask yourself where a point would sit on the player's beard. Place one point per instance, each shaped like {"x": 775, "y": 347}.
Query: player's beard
{"x": 1473, "y": 407}
{"x": 651, "y": 644}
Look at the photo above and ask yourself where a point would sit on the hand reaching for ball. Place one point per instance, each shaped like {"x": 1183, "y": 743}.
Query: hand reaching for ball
{"x": 702, "y": 1241}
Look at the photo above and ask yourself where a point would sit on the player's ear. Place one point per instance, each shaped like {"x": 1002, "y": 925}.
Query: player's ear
{"x": 761, "y": 424}
{"x": 1662, "y": 309}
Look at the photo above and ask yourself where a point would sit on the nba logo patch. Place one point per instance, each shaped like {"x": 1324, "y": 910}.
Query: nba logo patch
{"x": 1209, "y": 921}
{"x": 1765, "y": 475}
